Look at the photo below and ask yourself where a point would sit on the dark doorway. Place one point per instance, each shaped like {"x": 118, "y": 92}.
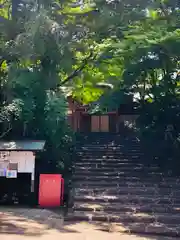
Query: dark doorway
{"x": 85, "y": 124}
{"x": 112, "y": 123}
{"x": 15, "y": 190}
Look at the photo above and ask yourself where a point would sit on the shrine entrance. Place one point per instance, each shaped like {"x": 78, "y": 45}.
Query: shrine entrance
{"x": 100, "y": 123}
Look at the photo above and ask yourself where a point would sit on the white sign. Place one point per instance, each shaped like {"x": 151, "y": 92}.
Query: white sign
{"x": 4, "y": 155}
{"x": 25, "y": 161}
{"x": 11, "y": 174}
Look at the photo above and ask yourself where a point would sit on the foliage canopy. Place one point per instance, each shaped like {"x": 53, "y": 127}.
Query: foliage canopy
{"x": 46, "y": 44}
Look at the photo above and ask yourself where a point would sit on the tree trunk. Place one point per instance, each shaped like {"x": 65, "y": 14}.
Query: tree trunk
{"x": 15, "y": 6}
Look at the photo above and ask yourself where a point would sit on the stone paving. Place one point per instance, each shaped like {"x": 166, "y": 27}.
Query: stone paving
{"x": 32, "y": 224}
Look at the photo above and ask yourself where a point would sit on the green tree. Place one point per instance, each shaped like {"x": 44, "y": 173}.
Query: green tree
{"x": 132, "y": 45}
{"x": 145, "y": 65}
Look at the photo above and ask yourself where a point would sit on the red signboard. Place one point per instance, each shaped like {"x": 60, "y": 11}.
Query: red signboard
{"x": 50, "y": 190}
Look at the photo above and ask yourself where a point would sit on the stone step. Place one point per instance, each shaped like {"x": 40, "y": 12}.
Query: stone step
{"x": 104, "y": 154}
{"x": 137, "y": 184}
{"x": 109, "y": 142}
{"x": 111, "y": 198}
{"x": 109, "y": 136}
{"x": 120, "y": 179}
{"x": 123, "y": 166}
{"x": 120, "y": 192}
{"x": 123, "y": 158}
{"x": 120, "y": 168}
{"x": 115, "y": 173}
{"x": 165, "y": 218}
{"x": 124, "y": 162}
{"x": 109, "y": 154}
{"x": 109, "y": 139}
{"x": 129, "y": 190}
{"x": 108, "y": 162}
{"x": 111, "y": 184}
{"x": 118, "y": 175}
{"x": 131, "y": 208}
{"x": 153, "y": 228}
{"x": 113, "y": 141}
{"x": 109, "y": 148}
{"x": 121, "y": 199}
{"x": 109, "y": 157}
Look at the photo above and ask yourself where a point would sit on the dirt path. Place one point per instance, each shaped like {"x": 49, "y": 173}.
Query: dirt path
{"x": 33, "y": 224}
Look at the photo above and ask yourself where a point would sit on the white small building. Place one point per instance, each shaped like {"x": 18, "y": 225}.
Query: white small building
{"x": 17, "y": 166}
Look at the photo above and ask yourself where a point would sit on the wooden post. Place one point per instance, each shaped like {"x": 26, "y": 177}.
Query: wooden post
{"x": 117, "y": 121}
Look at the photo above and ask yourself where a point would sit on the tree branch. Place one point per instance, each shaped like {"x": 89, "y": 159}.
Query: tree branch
{"x": 76, "y": 72}
{"x": 2, "y": 4}
{"x": 1, "y": 62}
{"x": 5, "y": 133}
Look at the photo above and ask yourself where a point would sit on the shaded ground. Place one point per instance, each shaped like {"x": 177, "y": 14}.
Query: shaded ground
{"x": 24, "y": 223}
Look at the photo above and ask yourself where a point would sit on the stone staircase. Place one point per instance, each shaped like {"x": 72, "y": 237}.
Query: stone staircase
{"x": 113, "y": 181}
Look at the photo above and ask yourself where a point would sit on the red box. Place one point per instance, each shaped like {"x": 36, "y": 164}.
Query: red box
{"x": 51, "y": 190}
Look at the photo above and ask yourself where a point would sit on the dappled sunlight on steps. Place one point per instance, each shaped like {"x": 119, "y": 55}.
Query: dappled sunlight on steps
{"x": 114, "y": 181}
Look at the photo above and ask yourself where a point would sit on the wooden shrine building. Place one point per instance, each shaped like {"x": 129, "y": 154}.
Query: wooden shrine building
{"x": 110, "y": 121}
